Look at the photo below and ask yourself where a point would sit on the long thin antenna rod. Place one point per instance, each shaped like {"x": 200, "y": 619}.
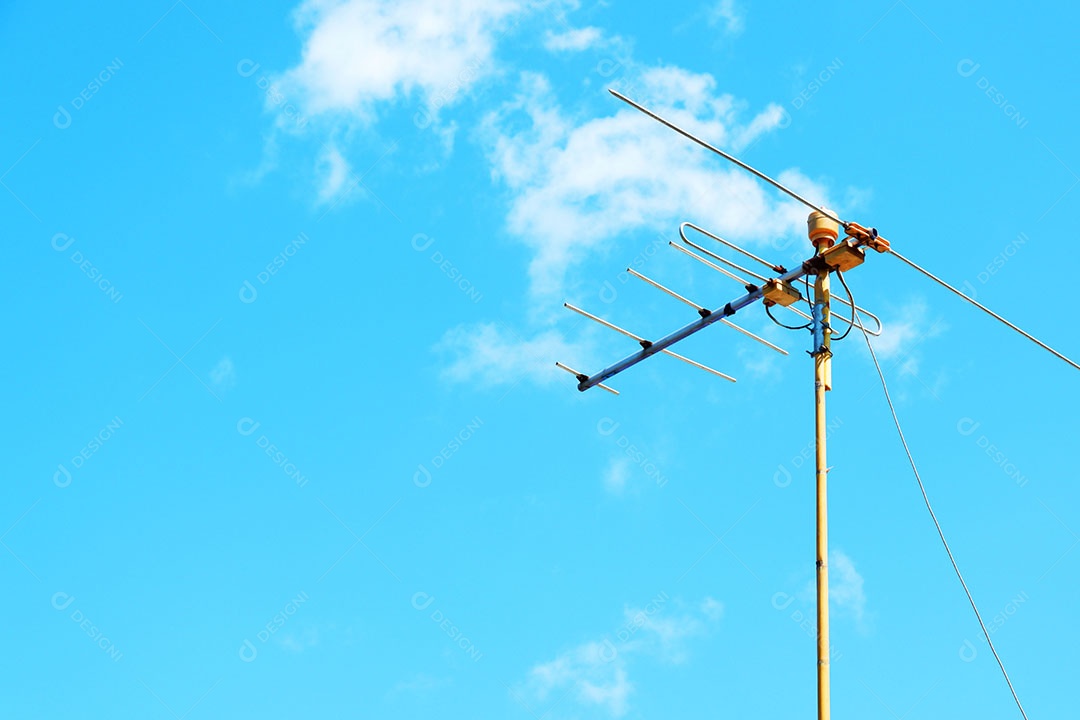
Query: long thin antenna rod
{"x": 833, "y": 216}
{"x": 644, "y": 342}
{"x": 733, "y": 246}
{"x": 727, "y": 156}
{"x": 705, "y": 311}
{"x": 724, "y": 260}
{"x": 985, "y": 309}
{"x": 734, "y": 277}
{"x": 669, "y": 291}
{"x": 762, "y": 278}
{"x": 713, "y": 265}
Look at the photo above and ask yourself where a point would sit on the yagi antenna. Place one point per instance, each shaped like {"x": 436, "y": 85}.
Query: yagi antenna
{"x": 867, "y": 236}
{"x": 762, "y": 278}
{"x": 704, "y": 311}
{"x": 832, "y": 255}
{"x": 772, "y": 266}
{"x": 643, "y": 342}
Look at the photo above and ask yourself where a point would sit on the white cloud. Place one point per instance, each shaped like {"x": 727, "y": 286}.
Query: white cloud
{"x": 897, "y": 335}
{"x": 902, "y": 336}
{"x": 595, "y": 675}
{"x": 297, "y": 643}
{"x": 847, "y": 597}
{"x": 497, "y": 355}
{"x": 728, "y": 15}
{"x": 576, "y": 187}
{"x": 846, "y": 587}
{"x": 359, "y": 53}
{"x": 668, "y": 633}
{"x": 335, "y": 170}
{"x": 712, "y": 608}
{"x": 223, "y": 375}
{"x": 616, "y": 475}
{"x": 573, "y": 40}
{"x": 587, "y": 677}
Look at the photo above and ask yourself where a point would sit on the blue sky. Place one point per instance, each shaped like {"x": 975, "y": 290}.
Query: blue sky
{"x": 284, "y": 289}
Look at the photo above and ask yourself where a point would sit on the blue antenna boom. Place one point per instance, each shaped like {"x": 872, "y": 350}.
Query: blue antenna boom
{"x": 707, "y": 319}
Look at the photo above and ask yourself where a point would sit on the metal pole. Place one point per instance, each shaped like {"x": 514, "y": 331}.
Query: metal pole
{"x": 822, "y": 383}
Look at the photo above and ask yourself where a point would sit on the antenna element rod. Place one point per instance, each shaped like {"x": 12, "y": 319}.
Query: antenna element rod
{"x": 684, "y": 332}
{"x": 985, "y": 309}
{"x": 726, "y": 156}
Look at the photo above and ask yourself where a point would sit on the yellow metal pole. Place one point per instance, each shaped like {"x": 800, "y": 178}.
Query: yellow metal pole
{"x": 822, "y": 383}
{"x": 823, "y": 231}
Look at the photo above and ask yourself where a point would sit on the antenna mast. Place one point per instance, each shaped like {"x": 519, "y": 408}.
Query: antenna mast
{"x": 831, "y": 254}
{"x": 823, "y": 233}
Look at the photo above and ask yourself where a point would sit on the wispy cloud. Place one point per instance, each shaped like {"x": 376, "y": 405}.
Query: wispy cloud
{"x": 727, "y": 15}
{"x": 334, "y": 170}
{"x": 595, "y": 675}
{"x": 846, "y": 587}
{"x": 712, "y": 609}
{"x": 904, "y": 331}
{"x": 495, "y": 354}
{"x": 297, "y": 643}
{"x": 573, "y": 40}
{"x": 577, "y": 185}
{"x": 616, "y": 475}
{"x": 847, "y": 597}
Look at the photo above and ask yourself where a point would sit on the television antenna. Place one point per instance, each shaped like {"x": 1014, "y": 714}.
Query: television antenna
{"x": 833, "y": 254}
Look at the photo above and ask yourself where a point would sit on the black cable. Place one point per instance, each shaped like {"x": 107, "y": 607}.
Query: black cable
{"x": 933, "y": 516}
{"x": 851, "y": 299}
{"x": 768, "y": 311}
